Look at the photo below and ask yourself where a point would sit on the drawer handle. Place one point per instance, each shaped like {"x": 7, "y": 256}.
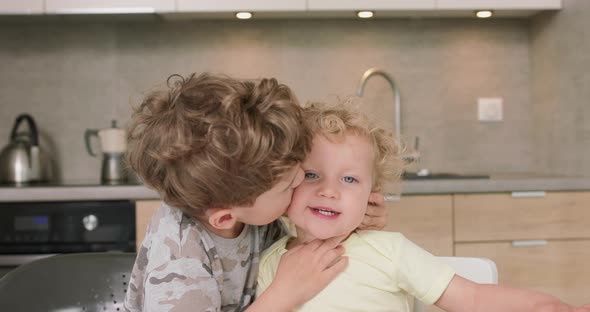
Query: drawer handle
{"x": 391, "y": 197}
{"x": 528, "y": 194}
{"x": 529, "y": 243}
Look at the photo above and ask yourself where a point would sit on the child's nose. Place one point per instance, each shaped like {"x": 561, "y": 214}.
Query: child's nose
{"x": 327, "y": 189}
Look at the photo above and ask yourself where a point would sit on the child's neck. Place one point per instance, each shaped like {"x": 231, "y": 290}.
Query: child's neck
{"x": 304, "y": 237}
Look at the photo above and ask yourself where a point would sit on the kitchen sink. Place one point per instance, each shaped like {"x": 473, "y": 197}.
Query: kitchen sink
{"x": 440, "y": 176}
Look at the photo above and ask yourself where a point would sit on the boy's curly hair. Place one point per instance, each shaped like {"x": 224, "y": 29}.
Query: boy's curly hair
{"x": 336, "y": 120}
{"x": 212, "y": 141}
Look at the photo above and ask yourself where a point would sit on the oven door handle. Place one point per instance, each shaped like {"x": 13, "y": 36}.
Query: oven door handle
{"x": 14, "y": 260}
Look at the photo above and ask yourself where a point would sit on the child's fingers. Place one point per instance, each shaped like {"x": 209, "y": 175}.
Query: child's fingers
{"x": 331, "y": 257}
{"x": 331, "y": 243}
{"x": 370, "y": 222}
{"x": 375, "y": 200}
{"x": 338, "y": 267}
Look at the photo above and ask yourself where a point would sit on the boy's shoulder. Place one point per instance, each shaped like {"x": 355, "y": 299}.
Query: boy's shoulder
{"x": 171, "y": 234}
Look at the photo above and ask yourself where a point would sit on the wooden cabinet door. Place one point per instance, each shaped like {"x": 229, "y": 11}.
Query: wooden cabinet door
{"x": 144, "y": 209}
{"x": 502, "y": 217}
{"x": 427, "y": 220}
{"x": 559, "y": 268}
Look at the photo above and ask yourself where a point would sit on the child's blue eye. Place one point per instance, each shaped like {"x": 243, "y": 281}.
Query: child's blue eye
{"x": 349, "y": 179}
{"x": 310, "y": 175}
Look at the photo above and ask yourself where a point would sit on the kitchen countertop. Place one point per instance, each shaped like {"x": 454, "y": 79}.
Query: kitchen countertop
{"x": 497, "y": 183}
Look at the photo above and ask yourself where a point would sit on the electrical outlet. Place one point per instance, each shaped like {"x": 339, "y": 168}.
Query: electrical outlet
{"x": 489, "y": 109}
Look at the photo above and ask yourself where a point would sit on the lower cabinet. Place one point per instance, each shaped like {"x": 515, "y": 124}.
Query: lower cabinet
{"x": 560, "y": 268}
{"x": 144, "y": 209}
{"x": 427, "y": 220}
{"x": 538, "y": 240}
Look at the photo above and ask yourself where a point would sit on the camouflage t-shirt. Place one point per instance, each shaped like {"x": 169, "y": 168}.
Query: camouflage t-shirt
{"x": 178, "y": 267}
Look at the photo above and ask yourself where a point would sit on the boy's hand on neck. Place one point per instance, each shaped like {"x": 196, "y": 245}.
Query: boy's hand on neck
{"x": 303, "y": 272}
{"x": 376, "y": 215}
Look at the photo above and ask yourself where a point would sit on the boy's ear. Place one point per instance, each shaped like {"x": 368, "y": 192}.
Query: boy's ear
{"x": 221, "y": 218}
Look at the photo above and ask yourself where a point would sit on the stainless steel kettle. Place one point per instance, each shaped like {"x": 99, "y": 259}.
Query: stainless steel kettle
{"x": 21, "y": 159}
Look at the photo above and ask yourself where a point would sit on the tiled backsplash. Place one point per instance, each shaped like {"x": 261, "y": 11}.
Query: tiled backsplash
{"x": 74, "y": 75}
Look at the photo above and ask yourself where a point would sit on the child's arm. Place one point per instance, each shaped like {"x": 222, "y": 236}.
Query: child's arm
{"x": 302, "y": 273}
{"x": 376, "y": 215}
{"x": 465, "y": 296}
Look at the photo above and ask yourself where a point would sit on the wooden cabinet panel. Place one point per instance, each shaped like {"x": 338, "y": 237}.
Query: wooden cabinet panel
{"x": 559, "y": 268}
{"x": 144, "y": 210}
{"x": 425, "y": 220}
{"x": 501, "y": 217}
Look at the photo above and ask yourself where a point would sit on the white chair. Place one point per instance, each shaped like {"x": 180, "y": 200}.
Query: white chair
{"x": 479, "y": 270}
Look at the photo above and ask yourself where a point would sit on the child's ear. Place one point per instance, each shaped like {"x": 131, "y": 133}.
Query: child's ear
{"x": 222, "y": 218}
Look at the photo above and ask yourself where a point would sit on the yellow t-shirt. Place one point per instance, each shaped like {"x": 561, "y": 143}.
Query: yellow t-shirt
{"x": 385, "y": 272}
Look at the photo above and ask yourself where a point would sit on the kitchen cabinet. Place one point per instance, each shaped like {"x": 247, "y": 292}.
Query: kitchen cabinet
{"x": 427, "y": 220}
{"x": 558, "y": 267}
{"x": 499, "y": 4}
{"x": 144, "y": 209}
{"x": 495, "y": 217}
{"x": 540, "y": 242}
{"x": 337, "y": 5}
{"x": 21, "y": 7}
{"x": 240, "y": 5}
{"x": 108, "y": 6}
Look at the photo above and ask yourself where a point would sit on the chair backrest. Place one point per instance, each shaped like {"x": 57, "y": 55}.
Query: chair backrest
{"x": 69, "y": 282}
{"x": 479, "y": 270}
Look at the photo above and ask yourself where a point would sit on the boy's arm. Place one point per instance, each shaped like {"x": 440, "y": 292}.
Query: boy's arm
{"x": 465, "y": 296}
{"x": 376, "y": 215}
{"x": 181, "y": 285}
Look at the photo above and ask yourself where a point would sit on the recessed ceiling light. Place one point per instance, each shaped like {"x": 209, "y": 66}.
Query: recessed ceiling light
{"x": 244, "y": 15}
{"x": 484, "y": 13}
{"x": 364, "y": 14}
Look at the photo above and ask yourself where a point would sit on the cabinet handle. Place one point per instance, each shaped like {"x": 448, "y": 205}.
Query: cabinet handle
{"x": 529, "y": 243}
{"x": 391, "y": 197}
{"x": 528, "y": 194}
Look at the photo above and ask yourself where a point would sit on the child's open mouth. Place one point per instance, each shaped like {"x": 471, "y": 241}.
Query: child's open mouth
{"x": 324, "y": 212}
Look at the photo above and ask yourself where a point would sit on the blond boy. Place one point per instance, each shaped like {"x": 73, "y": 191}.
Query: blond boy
{"x": 350, "y": 158}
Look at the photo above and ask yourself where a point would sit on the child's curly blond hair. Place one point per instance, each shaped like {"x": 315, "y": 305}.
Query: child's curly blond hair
{"x": 343, "y": 117}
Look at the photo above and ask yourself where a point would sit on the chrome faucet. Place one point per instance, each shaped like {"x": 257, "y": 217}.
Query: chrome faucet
{"x": 411, "y": 157}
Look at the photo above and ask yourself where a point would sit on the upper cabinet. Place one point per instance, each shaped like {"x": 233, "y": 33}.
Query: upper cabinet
{"x": 339, "y": 5}
{"x": 283, "y": 8}
{"x": 22, "y": 7}
{"x": 108, "y": 6}
{"x": 240, "y": 5}
{"x": 499, "y": 4}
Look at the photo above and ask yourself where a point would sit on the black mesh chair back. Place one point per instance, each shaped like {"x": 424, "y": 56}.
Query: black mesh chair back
{"x": 68, "y": 283}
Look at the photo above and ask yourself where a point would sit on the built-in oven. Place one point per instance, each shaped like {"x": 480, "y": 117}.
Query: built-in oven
{"x": 32, "y": 230}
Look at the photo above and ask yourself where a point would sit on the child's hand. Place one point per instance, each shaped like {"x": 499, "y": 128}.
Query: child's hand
{"x": 307, "y": 269}
{"x": 376, "y": 215}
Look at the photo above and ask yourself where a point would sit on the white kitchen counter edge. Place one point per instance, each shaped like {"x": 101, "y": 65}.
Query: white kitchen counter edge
{"x": 140, "y": 192}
